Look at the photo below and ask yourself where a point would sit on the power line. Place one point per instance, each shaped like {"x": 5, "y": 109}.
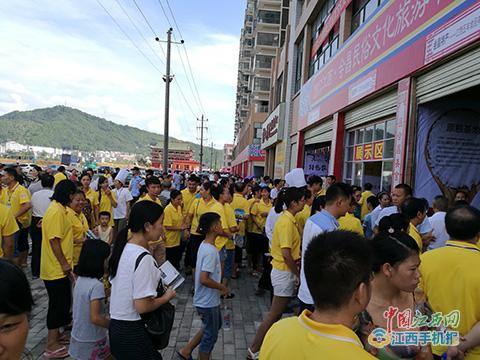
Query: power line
{"x": 128, "y": 37}
{"x": 185, "y": 50}
{"x": 139, "y": 32}
{"x": 184, "y": 98}
{"x": 148, "y": 24}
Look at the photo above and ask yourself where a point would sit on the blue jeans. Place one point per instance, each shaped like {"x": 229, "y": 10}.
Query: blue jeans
{"x": 229, "y": 264}
{"x": 212, "y": 323}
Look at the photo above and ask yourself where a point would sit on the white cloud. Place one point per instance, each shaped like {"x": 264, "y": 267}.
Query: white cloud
{"x": 68, "y": 52}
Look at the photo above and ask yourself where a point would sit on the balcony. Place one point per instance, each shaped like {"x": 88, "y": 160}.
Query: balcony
{"x": 267, "y": 39}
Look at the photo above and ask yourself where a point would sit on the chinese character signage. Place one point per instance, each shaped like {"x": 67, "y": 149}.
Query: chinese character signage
{"x": 358, "y": 153}
{"x": 378, "y": 150}
{"x": 316, "y": 161}
{"x": 379, "y": 46}
{"x": 272, "y": 128}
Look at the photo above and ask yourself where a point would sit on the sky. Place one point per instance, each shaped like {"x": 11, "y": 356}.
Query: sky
{"x": 70, "y": 52}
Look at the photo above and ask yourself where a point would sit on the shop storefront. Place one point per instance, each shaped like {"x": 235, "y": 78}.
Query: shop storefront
{"x": 272, "y": 144}
{"x": 250, "y": 162}
{"x": 317, "y": 143}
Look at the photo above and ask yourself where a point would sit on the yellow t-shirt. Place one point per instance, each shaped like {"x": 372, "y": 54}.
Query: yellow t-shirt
{"x": 257, "y": 209}
{"x": 322, "y": 192}
{"x": 351, "y": 223}
{"x": 305, "y": 339}
{"x": 302, "y": 218}
{"x": 241, "y": 205}
{"x": 172, "y": 217}
{"x": 285, "y": 235}
{"x": 14, "y": 199}
{"x": 451, "y": 281}
{"x": 187, "y": 198}
{"x": 221, "y": 241}
{"x": 105, "y": 204}
{"x": 363, "y": 203}
{"x": 59, "y": 177}
{"x": 200, "y": 207}
{"x": 231, "y": 222}
{"x": 92, "y": 196}
{"x": 8, "y": 225}
{"x": 413, "y": 232}
{"x": 55, "y": 224}
{"x": 156, "y": 201}
{"x": 79, "y": 228}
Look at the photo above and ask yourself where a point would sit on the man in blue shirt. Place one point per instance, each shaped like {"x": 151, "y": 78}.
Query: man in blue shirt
{"x": 135, "y": 184}
{"x": 337, "y": 203}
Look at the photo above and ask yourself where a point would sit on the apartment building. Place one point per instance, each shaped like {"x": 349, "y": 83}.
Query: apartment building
{"x": 384, "y": 92}
{"x": 263, "y": 33}
{"x": 227, "y": 157}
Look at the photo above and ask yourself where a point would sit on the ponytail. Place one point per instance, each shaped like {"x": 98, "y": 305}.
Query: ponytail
{"x": 288, "y": 195}
{"x": 280, "y": 201}
{"x": 118, "y": 246}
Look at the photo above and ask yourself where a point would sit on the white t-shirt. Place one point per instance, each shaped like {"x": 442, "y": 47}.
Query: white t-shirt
{"x": 123, "y": 196}
{"x": 40, "y": 201}
{"x": 437, "y": 221}
{"x": 272, "y": 218}
{"x": 130, "y": 284}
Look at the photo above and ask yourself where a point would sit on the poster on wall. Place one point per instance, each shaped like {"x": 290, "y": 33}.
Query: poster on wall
{"x": 447, "y": 153}
{"x": 316, "y": 161}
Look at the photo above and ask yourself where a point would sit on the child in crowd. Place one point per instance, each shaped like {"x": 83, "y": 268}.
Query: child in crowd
{"x": 89, "y": 339}
{"x": 208, "y": 289}
{"x": 104, "y": 230}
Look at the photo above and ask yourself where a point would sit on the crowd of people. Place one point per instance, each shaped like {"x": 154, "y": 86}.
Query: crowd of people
{"x": 336, "y": 255}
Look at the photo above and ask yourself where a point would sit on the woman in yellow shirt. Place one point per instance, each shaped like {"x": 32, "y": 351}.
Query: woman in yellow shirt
{"x": 349, "y": 222}
{"x": 416, "y": 211}
{"x": 107, "y": 200}
{"x": 79, "y": 223}
{"x": 173, "y": 225}
{"x": 258, "y": 242}
{"x": 56, "y": 266}
{"x": 285, "y": 252}
{"x": 90, "y": 208}
{"x": 303, "y": 215}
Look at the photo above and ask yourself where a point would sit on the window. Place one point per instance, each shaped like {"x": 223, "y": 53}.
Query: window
{"x": 278, "y": 90}
{"x": 267, "y": 39}
{"x": 298, "y": 65}
{"x": 268, "y": 17}
{"x": 263, "y": 61}
{"x": 261, "y": 84}
{"x": 322, "y": 16}
{"x": 325, "y": 52}
{"x": 284, "y": 21}
{"x": 369, "y": 155}
{"x": 362, "y": 9}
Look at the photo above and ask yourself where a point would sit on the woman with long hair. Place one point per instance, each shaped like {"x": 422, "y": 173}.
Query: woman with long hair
{"x": 135, "y": 279}
{"x": 107, "y": 199}
{"x": 285, "y": 251}
{"x": 79, "y": 223}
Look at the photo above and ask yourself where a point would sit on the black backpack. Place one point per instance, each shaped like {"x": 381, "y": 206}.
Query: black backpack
{"x": 159, "y": 322}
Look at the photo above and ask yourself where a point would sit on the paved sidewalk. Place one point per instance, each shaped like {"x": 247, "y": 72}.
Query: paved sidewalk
{"x": 247, "y": 312}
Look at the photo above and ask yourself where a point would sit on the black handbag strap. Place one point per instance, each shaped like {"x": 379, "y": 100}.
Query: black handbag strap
{"x": 139, "y": 259}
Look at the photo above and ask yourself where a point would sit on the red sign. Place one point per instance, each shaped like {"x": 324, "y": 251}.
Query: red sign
{"x": 270, "y": 130}
{"x": 392, "y": 43}
{"x": 358, "y": 153}
{"x": 378, "y": 150}
{"x": 332, "y": 19}
{"x": 401, "y": 131}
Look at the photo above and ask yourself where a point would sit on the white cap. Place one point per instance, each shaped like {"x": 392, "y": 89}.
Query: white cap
{"x": 296, "y": 178}
{"x": 122, "y": 176}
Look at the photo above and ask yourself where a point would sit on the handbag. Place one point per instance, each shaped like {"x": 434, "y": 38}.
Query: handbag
{"x": 159, "y": 322}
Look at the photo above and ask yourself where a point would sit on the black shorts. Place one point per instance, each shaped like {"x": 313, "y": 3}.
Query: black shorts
{"x": 194, "y": 243}
{"x": 21, "y": 240}
{"x": 59, "y": 302}
{"x": 257, "y": 244}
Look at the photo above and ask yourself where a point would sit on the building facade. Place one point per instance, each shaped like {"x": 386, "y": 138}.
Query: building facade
{"x": 178, "y": 159}
{"x": 227, "y": 157}
{"x": 385, "y": 92}
{"x": 263, "y": 33}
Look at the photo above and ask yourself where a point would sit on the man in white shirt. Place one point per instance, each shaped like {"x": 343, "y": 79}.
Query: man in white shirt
{"x": 122, "y": 211}
{"x": 437, "y": 220}
{"x": 338, "y": 199}
{"x": 40, "y": 202}
{"x": 278, "y": 185}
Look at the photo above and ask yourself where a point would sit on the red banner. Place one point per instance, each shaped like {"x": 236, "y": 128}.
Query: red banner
{"x": 337, "y": 11}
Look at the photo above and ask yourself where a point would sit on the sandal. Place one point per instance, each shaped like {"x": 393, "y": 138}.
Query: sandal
{"x": 251, "y": 355}
{"x": 60, "y": 353}
{"x": 64, "y": 339}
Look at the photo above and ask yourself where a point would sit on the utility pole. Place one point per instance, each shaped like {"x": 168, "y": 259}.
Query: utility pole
{"x": 168, "y": 79}
{"x": 211, "y": 157}
{"x": 216, "y": 166}
{"x": 202, "y": 127}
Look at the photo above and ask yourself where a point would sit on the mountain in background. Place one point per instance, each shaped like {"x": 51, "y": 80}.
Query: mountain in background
{"x": 68, "y": 128}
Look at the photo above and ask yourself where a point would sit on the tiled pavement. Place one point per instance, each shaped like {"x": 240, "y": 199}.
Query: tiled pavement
{"x": 247, "y": 312}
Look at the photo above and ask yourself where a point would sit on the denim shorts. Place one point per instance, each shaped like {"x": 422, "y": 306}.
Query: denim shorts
{"x": 229, "y": 264}
{"x": 212, "y": 323}
{"x": 223, "y": 254}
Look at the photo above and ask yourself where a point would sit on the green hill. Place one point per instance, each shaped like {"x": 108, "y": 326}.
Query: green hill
{"x": 64, "y": 127}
